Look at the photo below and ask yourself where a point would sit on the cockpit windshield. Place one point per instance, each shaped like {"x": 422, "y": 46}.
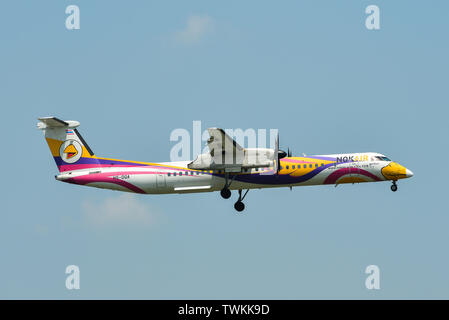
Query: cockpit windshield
{"x": 382, "y": 158}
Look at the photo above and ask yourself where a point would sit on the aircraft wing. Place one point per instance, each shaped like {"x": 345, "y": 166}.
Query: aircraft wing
{"x": 226, "y": 154}
{"x": 221, "y": 144}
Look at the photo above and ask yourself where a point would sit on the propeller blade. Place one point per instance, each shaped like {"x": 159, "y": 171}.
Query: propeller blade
{"x": 276, "y": 154}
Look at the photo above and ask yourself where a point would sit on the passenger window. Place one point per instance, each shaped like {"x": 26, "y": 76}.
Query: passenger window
{"x": 293, "y": 167}
{"x": 287, "y": 167}
{"x": 305, "y": 166}
{"x": 310, "y": 165}
{"x": 174, "y": 174}
{"x": 316, "y": 165}
{"x": 322, "y": 164}
{"x": 168, "y": 174}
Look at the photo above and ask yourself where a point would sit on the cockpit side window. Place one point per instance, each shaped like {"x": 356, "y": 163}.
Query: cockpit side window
{"x": 381, "y": 158}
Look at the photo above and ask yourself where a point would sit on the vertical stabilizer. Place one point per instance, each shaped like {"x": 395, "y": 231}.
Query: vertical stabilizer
{"x": 68, "y": 148}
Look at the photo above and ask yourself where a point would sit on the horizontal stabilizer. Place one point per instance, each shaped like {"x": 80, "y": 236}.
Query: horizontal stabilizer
{"x": 53, "y": 122}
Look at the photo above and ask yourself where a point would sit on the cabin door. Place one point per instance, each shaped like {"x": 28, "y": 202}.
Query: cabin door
{"x": 160, "y": 181}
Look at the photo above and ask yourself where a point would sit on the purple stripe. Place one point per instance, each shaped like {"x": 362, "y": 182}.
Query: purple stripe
{"x": 97, "y": 161}
{"x": 277, "y": 179}
{"x": 322, "y": 158}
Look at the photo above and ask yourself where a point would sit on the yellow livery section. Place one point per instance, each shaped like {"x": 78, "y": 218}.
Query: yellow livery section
{"x": 55, "y": 146}
{"x": 299, "y": 166}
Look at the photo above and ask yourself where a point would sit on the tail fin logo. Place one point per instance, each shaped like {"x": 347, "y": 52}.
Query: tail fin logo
{"x": 70, "y": 151}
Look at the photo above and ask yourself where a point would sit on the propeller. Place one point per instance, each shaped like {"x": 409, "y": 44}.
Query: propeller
{"x": 279, "y": 154}
{"x": 276, "y": 154}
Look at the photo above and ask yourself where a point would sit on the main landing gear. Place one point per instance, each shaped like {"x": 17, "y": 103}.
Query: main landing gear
{"x": 226, "y": 194}
{"x": 239, "y": 205}
{"x": 394, "y": 187}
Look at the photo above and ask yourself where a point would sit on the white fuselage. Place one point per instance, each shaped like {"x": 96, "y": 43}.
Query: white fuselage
{"x": 176, "y": 177}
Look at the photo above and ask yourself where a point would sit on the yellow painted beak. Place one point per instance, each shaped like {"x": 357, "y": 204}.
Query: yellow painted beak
{"x": 394, "y": 171}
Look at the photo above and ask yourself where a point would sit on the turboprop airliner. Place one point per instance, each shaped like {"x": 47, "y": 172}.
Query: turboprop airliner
{"x": 227, "y": 166}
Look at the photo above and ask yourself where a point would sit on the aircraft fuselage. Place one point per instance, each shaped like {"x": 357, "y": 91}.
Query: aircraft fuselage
{"x": 176, "y": 177}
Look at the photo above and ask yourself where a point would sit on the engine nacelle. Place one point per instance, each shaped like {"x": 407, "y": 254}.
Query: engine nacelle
{"x": 247, "y": 158}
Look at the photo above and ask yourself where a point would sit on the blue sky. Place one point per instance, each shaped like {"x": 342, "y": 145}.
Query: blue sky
{"x": 133, "y": 73}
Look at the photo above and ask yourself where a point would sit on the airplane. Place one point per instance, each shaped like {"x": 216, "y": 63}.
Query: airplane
{"x": 227, "y": 166}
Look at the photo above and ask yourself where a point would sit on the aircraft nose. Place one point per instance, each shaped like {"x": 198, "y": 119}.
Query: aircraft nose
{"x": 394, "y": 171}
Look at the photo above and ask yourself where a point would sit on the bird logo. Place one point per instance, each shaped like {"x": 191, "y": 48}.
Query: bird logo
{"x": 70, "y": 151}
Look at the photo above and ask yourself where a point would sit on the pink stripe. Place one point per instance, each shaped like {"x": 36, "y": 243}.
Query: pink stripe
{"x": 334, "y": 176}
{"x": 88, "y": 179}
{"x": 108, "y": 177}
{"x": 72, "y": 167}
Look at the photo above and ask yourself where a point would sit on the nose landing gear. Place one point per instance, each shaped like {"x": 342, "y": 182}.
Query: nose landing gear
{"x": 394, "y": 187}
